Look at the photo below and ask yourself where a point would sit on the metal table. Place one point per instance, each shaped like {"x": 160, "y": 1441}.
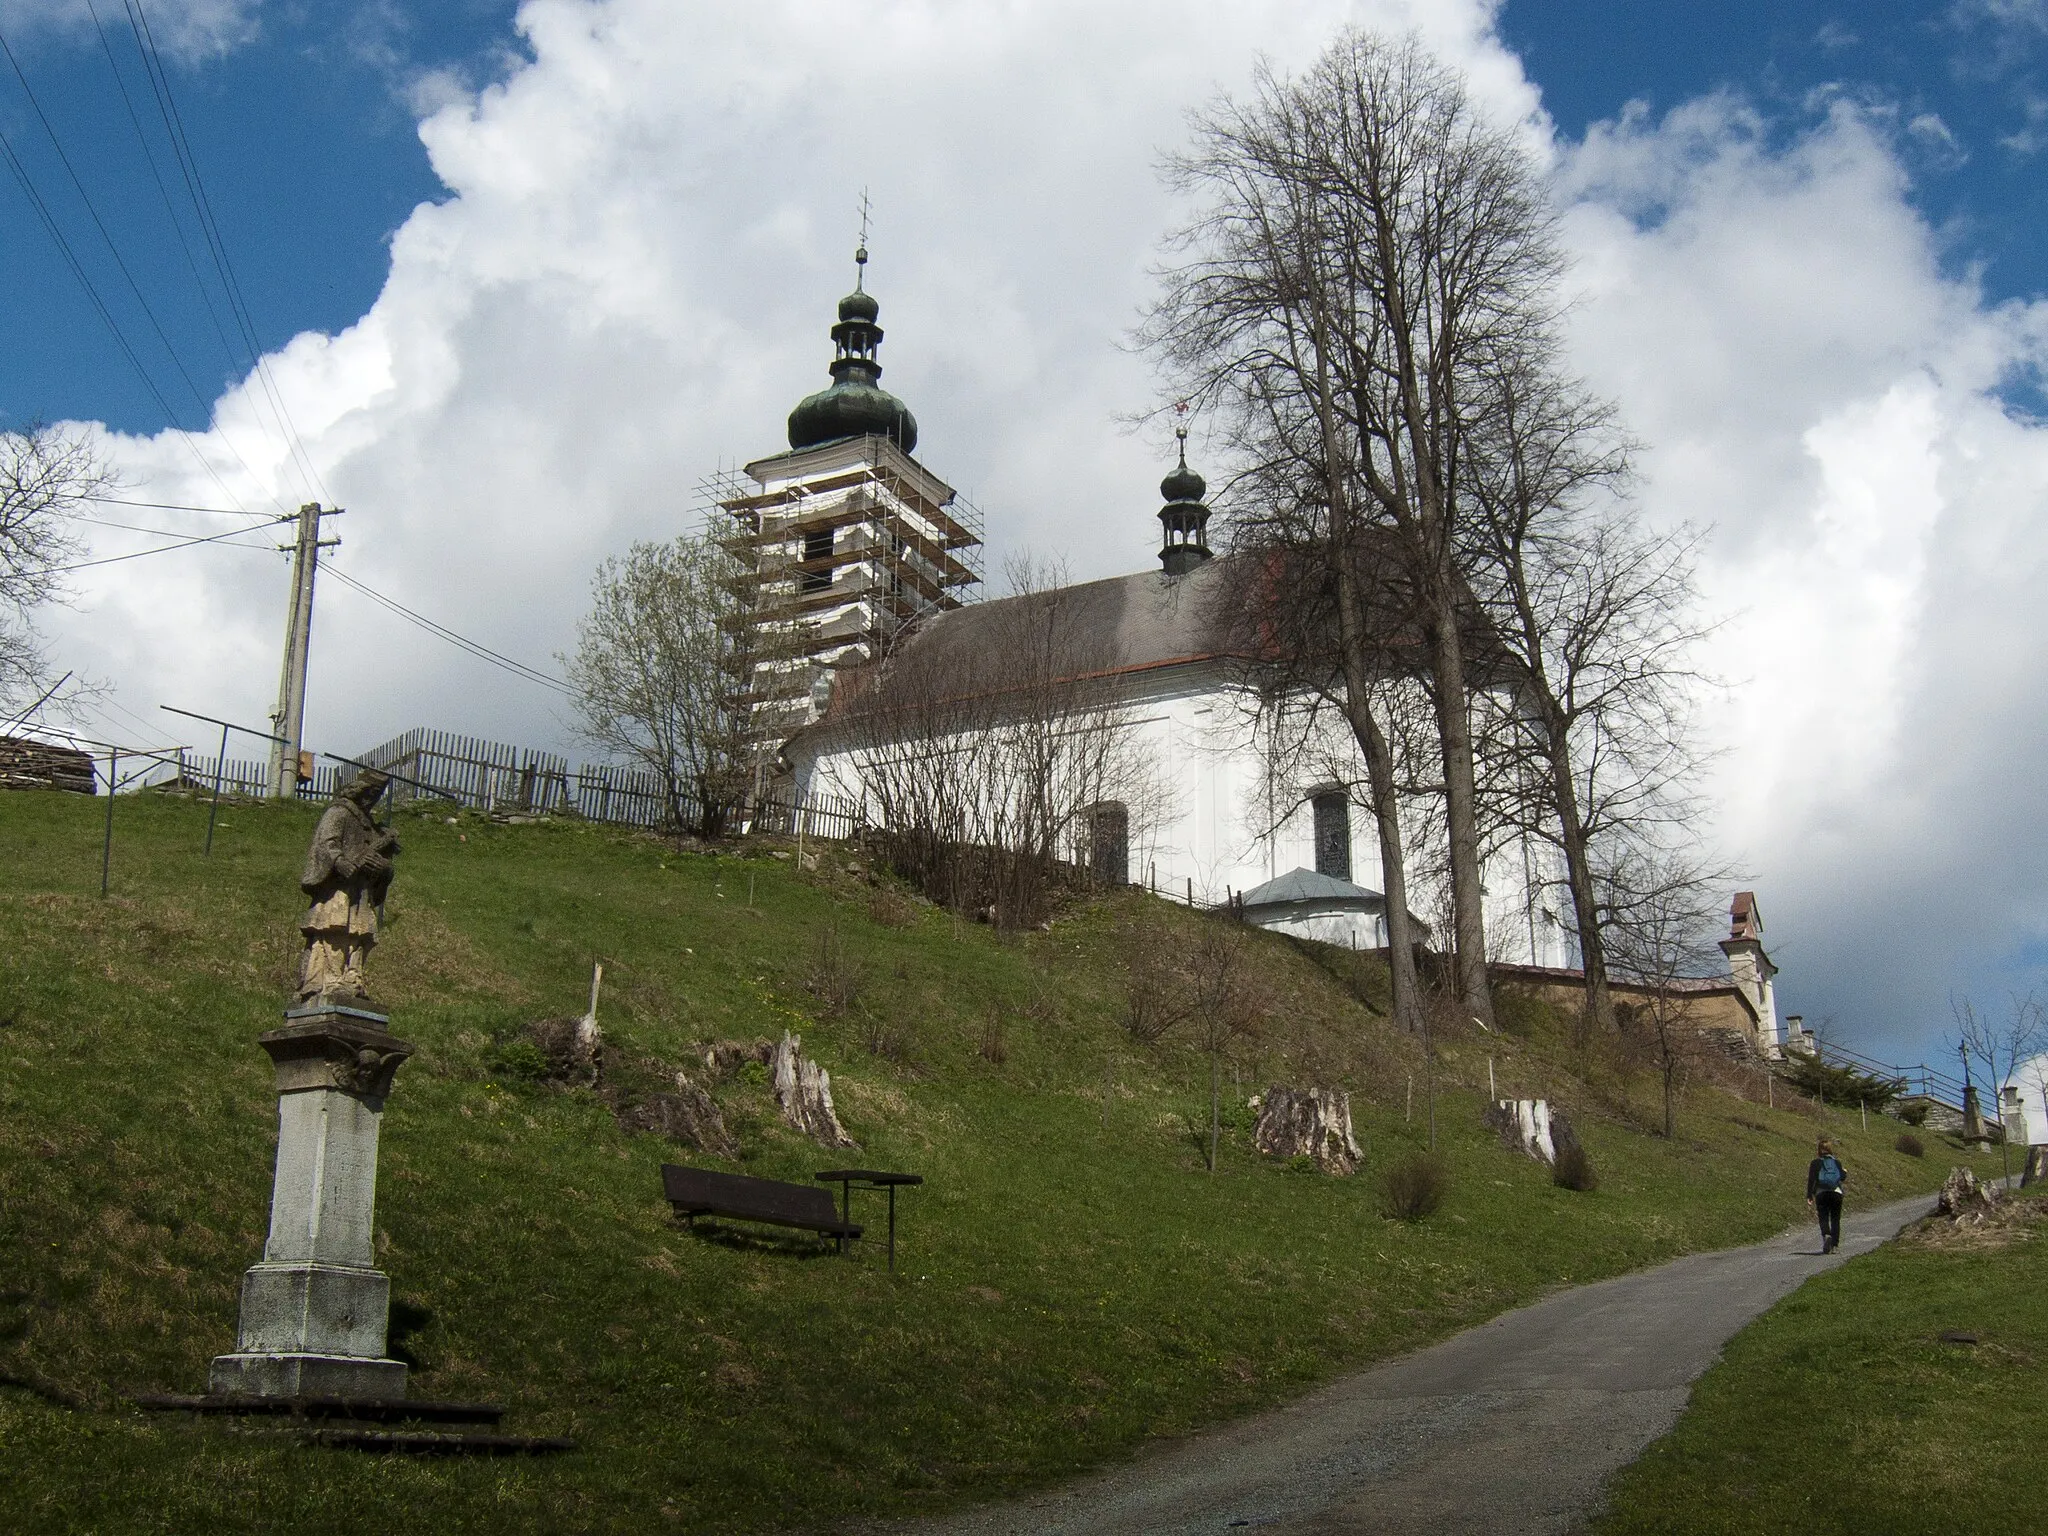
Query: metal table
{"x": 869, "y": 1178}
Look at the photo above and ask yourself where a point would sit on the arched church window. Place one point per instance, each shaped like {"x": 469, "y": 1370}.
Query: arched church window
{"x": 1109, "y": 844}
{"x": 1333, "y": 833}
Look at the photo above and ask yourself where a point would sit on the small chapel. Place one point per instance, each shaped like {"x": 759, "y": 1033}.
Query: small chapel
{"x": 856, "y": 551}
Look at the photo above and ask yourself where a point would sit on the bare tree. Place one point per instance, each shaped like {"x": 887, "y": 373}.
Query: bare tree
{"x": 1662, "y": 936}
{"x": 1309, "y": 661}
{"x": 1224, "y": 1006}
{"x": 46, "y": 475}
{"x": 1594, "y": 615}
{"x": 654, "y": 674}
{"x": 1370, "y": 253}
{"x": 2003, "y": 1045}
{"x": 993, "y": 753}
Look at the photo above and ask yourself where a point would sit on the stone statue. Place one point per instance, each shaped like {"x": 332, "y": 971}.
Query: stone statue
{"x": 348, "y": 871}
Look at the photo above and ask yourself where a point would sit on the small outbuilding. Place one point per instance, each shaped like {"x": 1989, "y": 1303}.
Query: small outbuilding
{"x": 1324, "y": 908}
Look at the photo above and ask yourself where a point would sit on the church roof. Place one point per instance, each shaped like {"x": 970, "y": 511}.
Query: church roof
{"x": 1104, "y": 628}
{"x": 1307, "y": 885}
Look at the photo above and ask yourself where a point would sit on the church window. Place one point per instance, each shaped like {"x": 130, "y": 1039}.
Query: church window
{"x": 1333, "y": 834}
{"x": 1109, "y": 844}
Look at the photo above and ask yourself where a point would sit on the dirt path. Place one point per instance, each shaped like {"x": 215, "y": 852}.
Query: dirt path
{"x": 1510, "y": 1427}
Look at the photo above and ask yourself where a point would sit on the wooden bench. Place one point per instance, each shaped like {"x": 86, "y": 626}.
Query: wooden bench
{"x": 698, "y": 1192}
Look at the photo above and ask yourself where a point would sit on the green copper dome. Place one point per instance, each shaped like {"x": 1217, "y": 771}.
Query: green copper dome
{"x": 856, "y": 405}
{"x": 1183, "y": 484}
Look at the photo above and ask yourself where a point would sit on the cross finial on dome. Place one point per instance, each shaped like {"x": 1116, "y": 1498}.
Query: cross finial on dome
{"x": 860, "y": 253}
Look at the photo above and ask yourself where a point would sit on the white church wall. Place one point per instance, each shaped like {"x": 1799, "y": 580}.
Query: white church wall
{"x": 1217, "y": 823}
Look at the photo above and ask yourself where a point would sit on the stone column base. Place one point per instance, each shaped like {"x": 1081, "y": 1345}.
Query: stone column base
{"x": 259, "y": 1375}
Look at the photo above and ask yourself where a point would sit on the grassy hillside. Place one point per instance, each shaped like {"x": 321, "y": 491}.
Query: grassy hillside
{"x": 1843, "y": 1410}
{"x": 1071, "y": 1280}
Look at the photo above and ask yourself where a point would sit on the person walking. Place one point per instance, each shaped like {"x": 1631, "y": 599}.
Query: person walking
{"x": 1825, "y": 1178}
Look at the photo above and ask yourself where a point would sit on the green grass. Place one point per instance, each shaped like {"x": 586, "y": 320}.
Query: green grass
{"x": 1842, "y": 1411}
{"x": 1070, "y": 1282}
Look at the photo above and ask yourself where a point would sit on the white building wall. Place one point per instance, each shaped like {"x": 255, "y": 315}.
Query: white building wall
{"x": 1211, "y": 825}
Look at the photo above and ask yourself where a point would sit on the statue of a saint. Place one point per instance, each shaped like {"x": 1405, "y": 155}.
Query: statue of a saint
{"x": 348, "y": 871}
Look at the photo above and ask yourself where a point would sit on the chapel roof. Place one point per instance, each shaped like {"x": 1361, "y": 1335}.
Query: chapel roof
{"x": 1308, "y": 885}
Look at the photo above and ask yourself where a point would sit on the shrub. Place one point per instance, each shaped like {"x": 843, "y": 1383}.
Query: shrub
{"x": 518, "y": 1060}
{"x": 1910, "y": 1144}
{"x": 994, "y": 1048}
{"x": 838, "y": 977}
{"x": 891, "y": 909}
{"x": 1574, "y": 1169}
{"x": 1834, "y": 1083}
{"x": 1415, "y": 1187}
{"x": 1915, "y": 1112}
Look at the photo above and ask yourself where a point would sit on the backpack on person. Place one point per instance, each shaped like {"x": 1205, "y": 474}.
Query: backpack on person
{"x": 1828, "y": 1178}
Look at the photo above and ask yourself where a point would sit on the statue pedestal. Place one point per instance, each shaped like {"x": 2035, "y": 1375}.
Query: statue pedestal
{"x": 315, "y": 1310}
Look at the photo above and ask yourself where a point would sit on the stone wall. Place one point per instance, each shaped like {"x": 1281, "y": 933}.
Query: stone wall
{"x": 38, "y": 765}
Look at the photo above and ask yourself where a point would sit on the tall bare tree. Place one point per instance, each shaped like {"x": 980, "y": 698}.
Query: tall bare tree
{"x": 655, "y": 677}
{"x": 47, "y": 474}
{"x": 1595, "y": 618}
{"x": 1369, "y": 252}
{"x": 1288, "y": 598}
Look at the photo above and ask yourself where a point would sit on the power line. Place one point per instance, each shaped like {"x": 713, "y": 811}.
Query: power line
{"x": 163, "y": 549}
{"x": 161, "y": 533}
{"x": 475, "y": 648}
{"x": 174, "y": 506}
{"x": 195, "y": 186}
{"x": 55, "y": 231}
{"x": 114, "y": 251}
{"x": 164, "y": 192}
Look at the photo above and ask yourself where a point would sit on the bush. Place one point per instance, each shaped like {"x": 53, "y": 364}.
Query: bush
{"x": 1910, "y": 1144}
{"x": 1832, "y": 1083}
{"x": 891, "y": 909}
{"x": 1415, "y": 1188}
{"x": 1915, "y": 1112}
{"x": 994, "y": 1047}
{"x": 1574, "y": 1169}
{"x": 518, "y": 1060}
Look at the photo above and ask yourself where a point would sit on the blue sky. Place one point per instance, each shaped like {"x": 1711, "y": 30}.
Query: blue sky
{"x": 1967, "y": 83}
{"x": 526, "y": 277}
{"x": 305, "y": 130}
{"x": 306, "y": 135}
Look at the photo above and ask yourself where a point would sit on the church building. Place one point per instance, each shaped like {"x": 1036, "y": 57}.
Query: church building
{"x": 856, "y": 552}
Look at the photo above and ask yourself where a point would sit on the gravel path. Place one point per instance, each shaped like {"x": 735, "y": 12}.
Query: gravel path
{"x": 1510, "y": 1427}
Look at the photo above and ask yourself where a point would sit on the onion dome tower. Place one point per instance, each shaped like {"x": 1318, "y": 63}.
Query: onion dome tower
{"x": 856, "y": 405}
{"x": 1185, "y": 517}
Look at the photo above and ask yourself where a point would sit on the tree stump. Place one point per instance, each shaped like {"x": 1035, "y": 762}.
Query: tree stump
{"x": 570, "y": 1047}
{"x": 1963, "y": 1198}
{"x": 1308, "y": 1122}
{"x": 688, "y": 1115}
{"x": 1531, "y": 1127}
{"x": 803, "y": 1090}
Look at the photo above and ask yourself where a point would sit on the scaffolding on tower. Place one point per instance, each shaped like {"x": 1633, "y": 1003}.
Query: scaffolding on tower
{"x": 836, "y": 552}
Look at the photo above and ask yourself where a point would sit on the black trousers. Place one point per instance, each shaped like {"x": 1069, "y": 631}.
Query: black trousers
{"x": 1828, "y": 1203}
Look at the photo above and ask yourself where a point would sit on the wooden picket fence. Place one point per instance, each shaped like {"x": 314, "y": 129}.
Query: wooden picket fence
{"x": 240, "y": 776}
{"x": 497, "y": 777}
{"x": 821, "y": 816}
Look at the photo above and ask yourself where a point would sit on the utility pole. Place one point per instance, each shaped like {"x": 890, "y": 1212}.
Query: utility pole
{"x": 289, "y": 719}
